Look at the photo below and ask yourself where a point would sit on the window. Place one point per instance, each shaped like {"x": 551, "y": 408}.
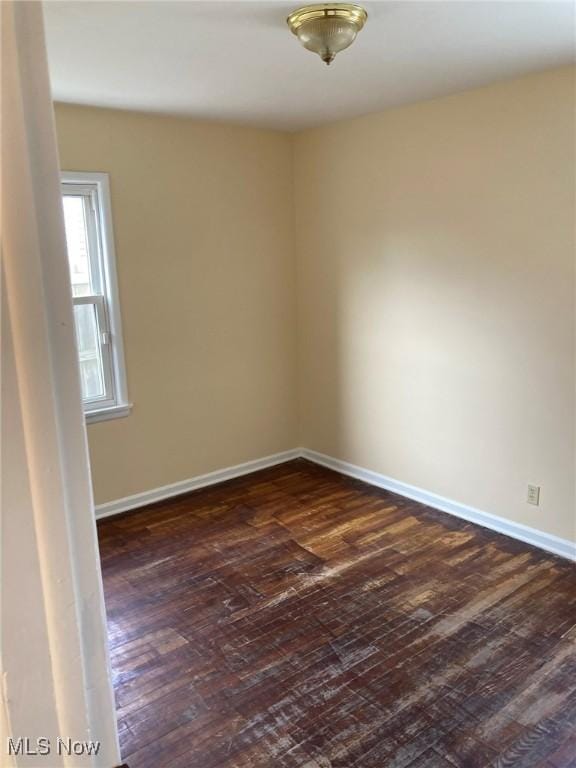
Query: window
{"x": 89, "y": 239}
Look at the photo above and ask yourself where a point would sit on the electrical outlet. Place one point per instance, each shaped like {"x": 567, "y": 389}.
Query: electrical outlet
{"x": 533, "y": 496}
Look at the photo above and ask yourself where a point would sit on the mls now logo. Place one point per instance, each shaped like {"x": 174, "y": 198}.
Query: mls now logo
{"x": 41, "y": 746}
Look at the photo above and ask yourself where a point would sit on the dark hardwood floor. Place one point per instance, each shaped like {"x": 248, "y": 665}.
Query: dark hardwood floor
{"x": 296, "y": 617}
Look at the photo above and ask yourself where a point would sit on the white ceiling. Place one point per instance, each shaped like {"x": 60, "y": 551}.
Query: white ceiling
{"x": 238, "y": 61}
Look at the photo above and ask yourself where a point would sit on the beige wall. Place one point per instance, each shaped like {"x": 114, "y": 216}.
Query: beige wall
{"x": 436, "y": 281}
{"x": 435, "y": 285}
{"x": 204, "y": 245}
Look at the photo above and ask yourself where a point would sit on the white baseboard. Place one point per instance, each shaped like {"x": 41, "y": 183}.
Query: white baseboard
{"x": 200, "y": 481}
{"x": 546, "y": 541}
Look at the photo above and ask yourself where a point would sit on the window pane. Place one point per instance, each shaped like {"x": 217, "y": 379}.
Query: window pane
{"x": 87, "y": 335}
{"x": 77, "y": 243}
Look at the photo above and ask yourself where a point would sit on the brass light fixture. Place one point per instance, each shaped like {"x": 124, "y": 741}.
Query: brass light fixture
{"x": 327, "y": 29}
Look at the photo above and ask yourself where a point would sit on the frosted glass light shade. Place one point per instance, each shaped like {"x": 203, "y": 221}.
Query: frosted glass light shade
{"x": 327, "y": 29}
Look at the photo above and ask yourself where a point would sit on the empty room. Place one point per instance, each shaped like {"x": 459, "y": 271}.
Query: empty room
{"x": 288, "y": 384}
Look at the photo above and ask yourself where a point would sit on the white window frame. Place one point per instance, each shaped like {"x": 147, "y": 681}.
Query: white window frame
{"x": 96, "y": 188}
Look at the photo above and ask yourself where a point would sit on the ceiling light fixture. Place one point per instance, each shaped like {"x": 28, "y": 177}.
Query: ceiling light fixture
{"x": 327, "y": 29}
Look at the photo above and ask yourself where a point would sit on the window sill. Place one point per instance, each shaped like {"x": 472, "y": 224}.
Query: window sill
{"x": 104, "y": 414}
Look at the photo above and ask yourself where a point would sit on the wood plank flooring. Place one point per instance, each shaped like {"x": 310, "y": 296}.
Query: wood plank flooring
{"x": 296, "y": 617}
